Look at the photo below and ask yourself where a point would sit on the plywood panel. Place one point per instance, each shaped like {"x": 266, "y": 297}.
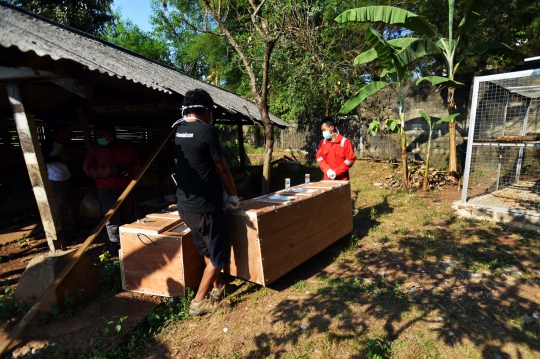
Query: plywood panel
{"x": 193, "y": 263}
{"x": 245, "y": 252}
{"x": 274, "y": 239}
{"x": 159, "y": 264}
{"x": 153, "y": 225}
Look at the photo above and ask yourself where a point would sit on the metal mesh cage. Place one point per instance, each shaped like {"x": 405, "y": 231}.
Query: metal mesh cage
{"x": 502, "y": 168}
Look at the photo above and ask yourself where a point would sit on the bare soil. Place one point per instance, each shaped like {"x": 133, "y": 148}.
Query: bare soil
{"x": 413, "y": 280}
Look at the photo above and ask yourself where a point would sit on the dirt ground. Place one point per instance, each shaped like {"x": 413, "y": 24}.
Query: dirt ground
{"x": 412, "y": 280}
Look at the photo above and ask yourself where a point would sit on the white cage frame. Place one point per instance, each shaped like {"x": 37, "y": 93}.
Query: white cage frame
{"x": 527, "y": 200}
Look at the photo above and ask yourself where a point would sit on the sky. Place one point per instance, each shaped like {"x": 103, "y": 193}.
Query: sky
{"x": 138, "y": 11}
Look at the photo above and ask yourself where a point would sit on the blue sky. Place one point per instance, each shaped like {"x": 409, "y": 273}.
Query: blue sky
{"x": 138, "y": 11}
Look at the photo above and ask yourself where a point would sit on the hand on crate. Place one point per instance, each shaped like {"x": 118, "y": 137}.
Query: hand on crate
{"x": 232, "y": 202}
{"x": 331, "y": 174}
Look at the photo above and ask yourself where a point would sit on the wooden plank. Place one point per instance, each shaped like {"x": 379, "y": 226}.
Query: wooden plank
{"x": 83, "y": 120}
{"x": 17, "y": 330}
{"x": 139, "y": 107}
{"x": 37, "y": 169}
{"x": 22, "y": 73}
{"x": 79, "y": 88}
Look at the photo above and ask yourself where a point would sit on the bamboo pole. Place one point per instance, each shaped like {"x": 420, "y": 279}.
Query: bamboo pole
{"x": 14, "y": 334}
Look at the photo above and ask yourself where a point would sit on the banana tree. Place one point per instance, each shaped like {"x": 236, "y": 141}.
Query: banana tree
{"x": 446, "y": 46}
{"x": 388, "y": 52}
{"x": 432, "y": 126}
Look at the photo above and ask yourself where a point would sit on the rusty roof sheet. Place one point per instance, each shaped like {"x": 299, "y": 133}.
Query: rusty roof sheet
{"x": 29, "y": 32}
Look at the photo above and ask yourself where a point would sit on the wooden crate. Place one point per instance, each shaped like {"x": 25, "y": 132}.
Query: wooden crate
{"x": 271, "y": 236}
{"x": 158, "y": 256}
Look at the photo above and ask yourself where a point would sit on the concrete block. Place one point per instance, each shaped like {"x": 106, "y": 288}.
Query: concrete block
{"x": 81, "y": 282}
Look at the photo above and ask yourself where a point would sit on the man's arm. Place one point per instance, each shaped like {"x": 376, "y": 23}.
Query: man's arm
{"x": 320, "y": 160}
{"x": 225, "y": 176}
{"x": 349, "y": 159}
{"x": 91, "y": 170}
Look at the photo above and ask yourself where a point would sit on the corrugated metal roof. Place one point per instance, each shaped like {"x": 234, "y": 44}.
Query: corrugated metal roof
{"x": 29, "y": 32}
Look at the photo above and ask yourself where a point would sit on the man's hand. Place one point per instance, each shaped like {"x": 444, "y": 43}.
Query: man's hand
{"x": 114, "y": 171}
{"x": 232, "y": 202}
{"x": 331, "y": 174}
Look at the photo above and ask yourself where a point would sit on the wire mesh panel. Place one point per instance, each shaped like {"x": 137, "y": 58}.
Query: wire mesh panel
{"x": 502, "y": 168}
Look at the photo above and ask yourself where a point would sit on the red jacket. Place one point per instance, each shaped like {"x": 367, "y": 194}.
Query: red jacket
{"x": 337, "y": 155}
{"x": 100, "y": 159}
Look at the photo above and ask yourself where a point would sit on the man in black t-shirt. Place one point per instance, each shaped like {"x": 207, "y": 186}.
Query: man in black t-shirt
{"x": 202, "y": 175}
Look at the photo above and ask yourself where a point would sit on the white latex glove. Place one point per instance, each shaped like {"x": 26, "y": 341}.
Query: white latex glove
{"x": 331, "y": 174}
{"x": 232, "y": 202}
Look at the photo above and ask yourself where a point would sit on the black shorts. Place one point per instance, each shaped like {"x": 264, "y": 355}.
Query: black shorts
{"x": 210, "y": 234}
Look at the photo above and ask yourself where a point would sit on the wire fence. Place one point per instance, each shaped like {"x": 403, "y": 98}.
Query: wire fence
{"x": 503, "y": 160}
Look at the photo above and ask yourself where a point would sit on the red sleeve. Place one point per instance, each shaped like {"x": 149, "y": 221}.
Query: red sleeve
{"x": 349, "y": 158}
{"x": 320, "y": 160}
{"x": 91, "y": 169}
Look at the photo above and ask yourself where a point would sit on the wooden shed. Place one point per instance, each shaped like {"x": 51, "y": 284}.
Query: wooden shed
{"x": 50, "y": 72}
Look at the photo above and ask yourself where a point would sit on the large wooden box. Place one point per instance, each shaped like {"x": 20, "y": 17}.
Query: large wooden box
{"x": 271, "y": 235}
{"x": 158, "y": 256}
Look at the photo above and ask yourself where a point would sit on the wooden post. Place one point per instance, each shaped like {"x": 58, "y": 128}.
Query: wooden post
{"x": 28, "y": 138}
{"x": 83, "y": 119}
{"x": 241, "y": 147}
{"x": 17, "y": 330}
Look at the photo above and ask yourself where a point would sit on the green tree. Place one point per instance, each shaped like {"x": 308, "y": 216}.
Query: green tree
{"x": 394, "y": 74}
{"x": 90, "y": 16}
{"x": 129, "y": 36}
{"x": 252, "y": 30}
{"x": 445, "y": 46}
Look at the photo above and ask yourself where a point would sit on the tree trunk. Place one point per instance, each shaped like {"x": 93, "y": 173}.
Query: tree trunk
{"x": 268, "y": 150}
{"x": 452, "y": 151}
{"x": 425, "y": 185}
{"x": 404, "y": 152}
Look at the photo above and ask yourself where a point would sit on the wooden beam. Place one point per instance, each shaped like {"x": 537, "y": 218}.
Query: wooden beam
{"x": 17, "y": 330}
{"x": 143, "y": 107}
{"x": 83, "y": 119}
{"x": 79, "y": 88}
{"x": 22, "y": 73}
{"x": 241, "y": 147}
{"x": 28, "y": 138}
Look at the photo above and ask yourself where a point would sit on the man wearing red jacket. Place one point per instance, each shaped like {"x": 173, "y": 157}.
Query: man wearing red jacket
{"x": 335, "y": 154}
{"x": 112, "y": 165}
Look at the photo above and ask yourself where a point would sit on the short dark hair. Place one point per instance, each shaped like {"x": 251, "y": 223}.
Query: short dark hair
{"x": 328, "y": 121}
{"x": 105, "y": 126}
{"x": 197, "y": 97}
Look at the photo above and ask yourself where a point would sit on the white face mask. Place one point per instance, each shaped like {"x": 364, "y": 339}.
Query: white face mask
{"x": 327, "y": 135}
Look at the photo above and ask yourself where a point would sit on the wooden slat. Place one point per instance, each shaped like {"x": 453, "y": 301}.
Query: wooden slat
{"x": 37, "y": 169}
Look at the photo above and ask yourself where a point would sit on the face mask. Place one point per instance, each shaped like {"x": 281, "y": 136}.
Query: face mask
{"x": 102, "y": 141}
{"x": 327, "y": 135}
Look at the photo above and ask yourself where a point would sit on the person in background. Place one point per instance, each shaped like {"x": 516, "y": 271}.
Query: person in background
{"x": 202, "y": 175}
{"x": 59, "y": 175}
{"x": 112, "y": 165}
{"x": 335, "y": 154}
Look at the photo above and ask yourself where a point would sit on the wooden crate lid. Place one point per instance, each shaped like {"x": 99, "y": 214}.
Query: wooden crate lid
{"x": 280, "y": 199}
{"x": 168, "y": 215}
{"x": 153, "y": 225}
